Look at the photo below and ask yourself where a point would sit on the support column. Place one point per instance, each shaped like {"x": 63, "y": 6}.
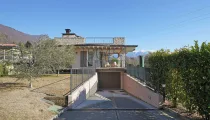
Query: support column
{"x": 123, "y": 55}
{"x": 12, "y": 55}
{"x": 109, "y": 56}
{"x": 71, "y": 81}
{"x": 4, "y": 54}
{"x": 141, "y": 60}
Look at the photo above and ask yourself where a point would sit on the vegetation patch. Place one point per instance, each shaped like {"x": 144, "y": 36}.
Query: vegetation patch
{"x": 60, "y": 101}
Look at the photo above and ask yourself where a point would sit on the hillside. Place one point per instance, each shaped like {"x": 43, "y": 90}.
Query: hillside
{"x": 10, "y": 35}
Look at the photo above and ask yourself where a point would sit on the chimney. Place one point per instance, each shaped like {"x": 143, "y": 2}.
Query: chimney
{"x": 68, "y": 31}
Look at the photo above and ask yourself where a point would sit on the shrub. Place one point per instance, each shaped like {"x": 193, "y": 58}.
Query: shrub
{"x": 1, "y": 70}
{"x": 186, "y": 73}
{"x": 115, "y": 60}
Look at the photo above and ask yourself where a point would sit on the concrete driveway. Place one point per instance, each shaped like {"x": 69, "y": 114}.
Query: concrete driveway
{"x": 115, "y": 105}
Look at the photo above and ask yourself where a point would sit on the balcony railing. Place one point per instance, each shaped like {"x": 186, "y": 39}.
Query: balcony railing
{"x": 79, "y": 76}
{"x": 91, "y": 40}
{"x": 105, "y": 40}
{"x": 99, "y": 40}
{"x": 110, "y": 63}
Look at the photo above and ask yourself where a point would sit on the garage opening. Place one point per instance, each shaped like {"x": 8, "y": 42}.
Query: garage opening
{"x": 109, "y": 80}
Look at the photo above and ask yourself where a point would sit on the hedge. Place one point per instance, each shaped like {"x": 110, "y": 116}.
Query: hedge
{"x": 3, "y": 69}
{"x": 186, "y": 73}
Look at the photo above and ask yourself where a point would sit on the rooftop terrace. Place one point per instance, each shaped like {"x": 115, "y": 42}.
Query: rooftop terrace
{"x": 72, "y": 39}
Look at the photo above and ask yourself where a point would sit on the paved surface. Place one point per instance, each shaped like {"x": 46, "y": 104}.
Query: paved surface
{"x": 115, "y": 105}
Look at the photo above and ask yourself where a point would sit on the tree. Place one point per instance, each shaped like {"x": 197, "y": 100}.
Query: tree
{"x": 42, "y": 57}
{"x": 63, "y": 57}
{"x": 132, "y": 61}
{"x": 43, "y": 37}
{"x": 146, "y": 61}
{"x": 28, "y": 44}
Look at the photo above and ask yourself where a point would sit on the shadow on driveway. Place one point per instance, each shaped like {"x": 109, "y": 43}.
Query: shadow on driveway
{"x": 115, "y": 105}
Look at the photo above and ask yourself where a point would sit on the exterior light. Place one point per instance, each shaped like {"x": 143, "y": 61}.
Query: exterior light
{"x": 163, "y": 85}
{"x": 164, "y": 92}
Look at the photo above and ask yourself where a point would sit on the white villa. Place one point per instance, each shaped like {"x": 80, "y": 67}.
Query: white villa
{"x": 97, "y": 52}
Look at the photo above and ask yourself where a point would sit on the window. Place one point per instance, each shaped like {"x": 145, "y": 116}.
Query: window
{"x": 90, "y": 58}
{"x": 83, "y": 58}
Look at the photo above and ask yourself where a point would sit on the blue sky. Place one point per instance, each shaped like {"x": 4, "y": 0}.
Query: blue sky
{"x": 151, "y": 24}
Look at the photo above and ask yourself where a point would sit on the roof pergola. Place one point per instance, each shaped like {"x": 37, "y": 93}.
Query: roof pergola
{"x": 119, "y": 48}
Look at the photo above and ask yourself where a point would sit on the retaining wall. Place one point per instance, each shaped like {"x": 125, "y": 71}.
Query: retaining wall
{"x": 139, "y": 90}
{"x": 87, "y": 89}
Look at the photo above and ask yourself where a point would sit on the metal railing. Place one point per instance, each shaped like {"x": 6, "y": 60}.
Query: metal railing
{"x": 99, "y": 40}
{"x": 79, "y": 76}
{"x": 142, "y": 74}
{"x": 110, "y": 64}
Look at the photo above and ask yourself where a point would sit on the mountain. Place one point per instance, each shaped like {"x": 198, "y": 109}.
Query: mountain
{"x": 136, "y": 54}
{"x": 10, "y": 35}
{"x": 139, "y": 53}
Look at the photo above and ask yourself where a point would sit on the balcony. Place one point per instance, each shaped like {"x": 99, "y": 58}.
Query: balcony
{"x": 110, "y": 63}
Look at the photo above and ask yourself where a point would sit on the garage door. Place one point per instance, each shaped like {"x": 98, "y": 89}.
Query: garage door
{"x": 109, "y": 80}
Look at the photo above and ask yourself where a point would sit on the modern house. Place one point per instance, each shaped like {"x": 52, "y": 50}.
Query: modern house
{"x": 101, "y": 62}
{"x": 97, "y": 52}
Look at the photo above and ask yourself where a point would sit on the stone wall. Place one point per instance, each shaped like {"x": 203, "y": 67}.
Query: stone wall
{"x": 69, "y": 36}
{"x": 119, "y": 40}
{"x": 70, "y": 41}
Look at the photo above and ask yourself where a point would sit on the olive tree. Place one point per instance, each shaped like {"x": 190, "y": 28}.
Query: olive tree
{"x": 44, "y": 56}
{"x": 63, "y": 57}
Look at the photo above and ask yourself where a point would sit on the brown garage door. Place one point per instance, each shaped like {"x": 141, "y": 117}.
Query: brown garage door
{"x": 109, "y": 80}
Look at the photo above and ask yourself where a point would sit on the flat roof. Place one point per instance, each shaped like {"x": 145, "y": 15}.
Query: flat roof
{"x": 104, "y": 44}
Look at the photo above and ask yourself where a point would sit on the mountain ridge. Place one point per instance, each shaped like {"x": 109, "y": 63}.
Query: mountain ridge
{"x": 10, "y": 35}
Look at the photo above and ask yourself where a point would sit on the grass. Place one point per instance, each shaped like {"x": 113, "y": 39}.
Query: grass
{"x": 48, "y": 84}
{"x": 19, "y": 102}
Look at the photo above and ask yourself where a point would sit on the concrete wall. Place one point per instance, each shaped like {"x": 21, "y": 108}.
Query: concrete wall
{"x": 137, "y": 89}
{"x": 84, "y": 91}
{"x": 76, "y": 63}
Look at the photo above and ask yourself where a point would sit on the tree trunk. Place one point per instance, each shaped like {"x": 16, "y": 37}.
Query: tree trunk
{"x": 57, "y": 73}
{"x": 30, "y": 83}
{"x": 174, "y": 101}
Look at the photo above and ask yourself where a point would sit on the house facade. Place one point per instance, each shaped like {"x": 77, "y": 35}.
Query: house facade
{"x": 97, "y": 52}
{"x": 8, "y": 52}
